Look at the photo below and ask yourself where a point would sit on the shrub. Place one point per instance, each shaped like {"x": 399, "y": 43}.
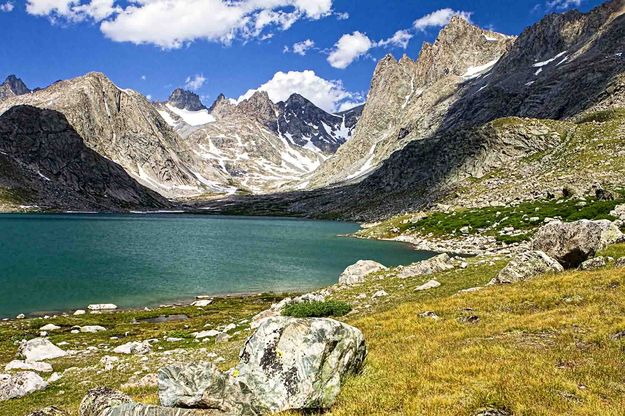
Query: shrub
{"x": 317, "y": 309}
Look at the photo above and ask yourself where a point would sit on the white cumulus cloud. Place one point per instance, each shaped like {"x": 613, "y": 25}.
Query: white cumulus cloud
{"x": 300, "y": 48}
{"x": 399, "y": 40}
{"x": 7, "y": 7}
{"x": 195, "y": 82}
{"x": 563, "y": 4}
{"x": 439, "y": 18}
{"x": 330, "y": 95}
{"x": 349, "y": 48}
{"x": 174, "y": 23}
{"x": 72, "y": 10}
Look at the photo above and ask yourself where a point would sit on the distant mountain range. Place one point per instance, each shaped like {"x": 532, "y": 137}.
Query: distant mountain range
{"x": 474, "y": 106}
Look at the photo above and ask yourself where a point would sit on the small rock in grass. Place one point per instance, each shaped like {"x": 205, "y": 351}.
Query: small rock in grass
{"x": 49, "y": 327}
{"x": 37, "y": 366}
{"x": 17, "y": 385}
{"x": 39, "y": 349}
{"x": 430, "y": 315}
{"x": 593, "y": 263}
{"x": 134, "y": 347}
{"x": 92, "y": 329}
{"x": 202, "y": 303}
{"x": 428, "y": 285}
{"x": 379, "y": 294}
{"x": 356, "y": 273}
{"x": 80, "y": 312}
{"x": 207, "y": 334}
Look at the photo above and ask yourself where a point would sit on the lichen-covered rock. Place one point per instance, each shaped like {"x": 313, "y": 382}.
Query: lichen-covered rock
{"x": 299, "y": 364}
{"x": 357, "y": 272}
{"x": 39, "y": 349}
{"x": 436, "y": 264}
{"x": 594, "y": 263}
{"x": 288, "y": 364}
{"x": 17, "y": 385}
{"x": 574, "y": 242}
{"x": 203, "y": 385}
{"x": 527, "y": 265}
{"x": 103, "y": 401}
{"x": 50, "y": 411}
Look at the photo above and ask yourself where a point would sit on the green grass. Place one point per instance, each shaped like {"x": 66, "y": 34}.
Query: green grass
{"x": 317, "y": 309}
{"x": 492, "y": 220}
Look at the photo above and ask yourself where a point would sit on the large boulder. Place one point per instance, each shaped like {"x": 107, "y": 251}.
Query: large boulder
{"x": 39, "y": 349}
{"x": 356, "y": 273}
{"x": 203, "y": 385}
{"x": 436, "y": 264}
{"x": 525, "y": 266}
{"x": 103, "y": 401}
{"x": 287, "y": 364}
{"x": 17, "y": 385}
{"x": 572, "y": 243}
{"x": 299, "y": 364}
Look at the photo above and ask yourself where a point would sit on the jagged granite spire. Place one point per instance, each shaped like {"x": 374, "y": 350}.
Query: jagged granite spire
{"x": 185, "y": 100}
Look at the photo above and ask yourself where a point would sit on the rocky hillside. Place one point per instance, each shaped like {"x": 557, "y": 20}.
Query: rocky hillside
{"x": 124, "y": 127}
{"x": 12, "y": 86}
{"x": 44, "y": 162}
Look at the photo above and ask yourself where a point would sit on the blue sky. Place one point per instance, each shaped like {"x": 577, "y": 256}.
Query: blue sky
{"x": 153, "y": 46}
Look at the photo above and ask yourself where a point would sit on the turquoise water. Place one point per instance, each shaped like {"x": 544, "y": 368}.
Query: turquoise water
{"x": 63, "y": 262}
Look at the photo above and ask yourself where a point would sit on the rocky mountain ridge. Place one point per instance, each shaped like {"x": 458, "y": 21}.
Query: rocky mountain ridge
{"x": 546, "y": 115}
{"x": 412, "y": 96}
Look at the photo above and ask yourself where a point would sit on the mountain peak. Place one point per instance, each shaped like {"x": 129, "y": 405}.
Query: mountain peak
{"x": 185, "y": 100}
{"x": 13, "y": 86}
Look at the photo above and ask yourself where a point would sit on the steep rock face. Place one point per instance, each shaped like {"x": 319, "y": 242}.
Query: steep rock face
{"x": 44, "y": 160}
{"x": 411, "y": 98}
{"x": 124, "y": 127}
{"x": 244, "y": 153}
{"x": 186, "y": 100}
{"x": 306, "y": 125}
{"x": 12, "y": 86}
{"x": 563, "y": 66}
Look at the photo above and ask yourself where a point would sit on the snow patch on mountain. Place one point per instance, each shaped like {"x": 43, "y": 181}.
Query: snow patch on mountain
{"x": 192, "y": 118}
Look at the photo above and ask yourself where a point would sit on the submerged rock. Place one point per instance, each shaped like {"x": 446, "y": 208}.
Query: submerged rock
{"x": 527, "y": 265}
{"x": 17, "y": 385}
{"x": 574, "y": 242}
{"x": 39, "y": 349}
{"x": 436, "y": 264}
{"x": 356, "y": 273}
